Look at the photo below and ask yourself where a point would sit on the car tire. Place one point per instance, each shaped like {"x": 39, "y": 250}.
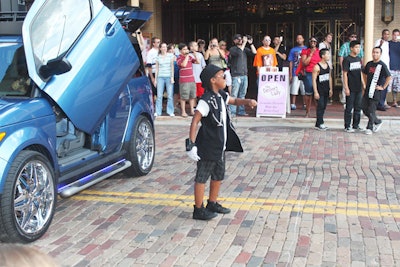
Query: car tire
{"x": 28, "y": 202}
{"x": 141, "y": 148}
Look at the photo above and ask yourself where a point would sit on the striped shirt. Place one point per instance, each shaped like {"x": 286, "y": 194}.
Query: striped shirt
{"x": 186, "y": 73}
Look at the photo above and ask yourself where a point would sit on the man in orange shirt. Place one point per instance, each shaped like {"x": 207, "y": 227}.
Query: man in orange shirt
{"x": 266, "y": 55}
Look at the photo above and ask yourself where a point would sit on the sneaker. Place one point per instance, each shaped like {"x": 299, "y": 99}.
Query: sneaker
{"x": 304, "y": 106}
{"x": 377, "y": 127}
{"x": 349, "y": 130}
{"x": 155, "y": 114}
{"x": 172, "y": 115}
{"x": 203, "y": 213}
{"x": 293, "y": 107}
{"x": 358, "y": 128}
{"x": 216, "y": 207}
{"x": 322, "y": 127}
{"x": 395, "y": 105}
{"x": 368, "y": 132}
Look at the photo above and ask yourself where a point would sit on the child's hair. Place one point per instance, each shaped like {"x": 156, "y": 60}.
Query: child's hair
{"x": 23, "y": 256}
{"x": 323, "y": 51}
{"x": 181, "y": 45}
{"x": 354, "y": 43}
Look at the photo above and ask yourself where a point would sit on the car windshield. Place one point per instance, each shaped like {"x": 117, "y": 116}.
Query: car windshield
{"x": 14, "y": 79}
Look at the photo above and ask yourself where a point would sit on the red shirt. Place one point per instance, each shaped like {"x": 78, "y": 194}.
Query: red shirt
{"x": 186, "y": 73}
{"x": 314, "y": 59}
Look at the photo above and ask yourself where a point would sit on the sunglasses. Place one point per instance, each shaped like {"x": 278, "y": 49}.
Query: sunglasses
{"x": 220, "y": 76}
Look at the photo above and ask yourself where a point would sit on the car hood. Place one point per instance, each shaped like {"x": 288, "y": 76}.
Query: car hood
{"x": 16, "y": 110}
{"x": 82, "y": 58}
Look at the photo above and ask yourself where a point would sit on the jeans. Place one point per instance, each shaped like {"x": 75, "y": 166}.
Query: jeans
{"x": 161, "y": 83}
{"x": 321, "y": 106}
{"x": 239, "y": 90}
{"x": 369, "y": 108}
{"x": 353, "y": 101}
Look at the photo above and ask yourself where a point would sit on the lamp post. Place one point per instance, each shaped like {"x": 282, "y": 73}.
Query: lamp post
{"x": 387, "y": 11}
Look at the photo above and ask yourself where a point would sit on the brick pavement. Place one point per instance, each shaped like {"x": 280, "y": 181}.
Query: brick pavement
{"x": 299, "y": 197}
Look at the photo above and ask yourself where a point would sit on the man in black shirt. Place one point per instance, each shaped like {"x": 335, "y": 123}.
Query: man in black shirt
{"x": 238, "y": 65}
{"x": 353, "y": 84}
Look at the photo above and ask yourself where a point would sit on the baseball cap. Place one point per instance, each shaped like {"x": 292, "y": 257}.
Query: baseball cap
{"x": 237, "y": 36}
{"x": 207, "y": 73}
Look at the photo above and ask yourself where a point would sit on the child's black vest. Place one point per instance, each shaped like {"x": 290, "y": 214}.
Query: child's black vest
{"x": 210, "y": 138}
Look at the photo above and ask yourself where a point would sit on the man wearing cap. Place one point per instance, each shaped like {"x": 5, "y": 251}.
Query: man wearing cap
{"x": 238, "y": 60}
{"x": 215, "y": 136}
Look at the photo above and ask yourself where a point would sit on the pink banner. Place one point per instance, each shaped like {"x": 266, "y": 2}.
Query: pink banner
{"x": 272, "y": 93}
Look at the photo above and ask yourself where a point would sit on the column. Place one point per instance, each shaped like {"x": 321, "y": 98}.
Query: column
{"x": 369, "y": 30}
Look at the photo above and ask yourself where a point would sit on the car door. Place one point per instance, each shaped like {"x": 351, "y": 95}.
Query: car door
{"x": 78, "y": 53}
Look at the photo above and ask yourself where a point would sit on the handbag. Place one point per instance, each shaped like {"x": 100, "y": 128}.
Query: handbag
{"x": 301, "y": 72}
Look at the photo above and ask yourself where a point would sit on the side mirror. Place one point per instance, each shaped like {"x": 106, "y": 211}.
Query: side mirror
{"x": 55, "y": 66}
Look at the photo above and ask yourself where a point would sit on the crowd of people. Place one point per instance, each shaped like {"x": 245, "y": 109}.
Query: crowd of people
{"x": 176, "y": 69}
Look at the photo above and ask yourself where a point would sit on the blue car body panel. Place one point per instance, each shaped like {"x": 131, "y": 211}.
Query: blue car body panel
{"x": 100, "y": 95}
{"x": 96, "y": 59}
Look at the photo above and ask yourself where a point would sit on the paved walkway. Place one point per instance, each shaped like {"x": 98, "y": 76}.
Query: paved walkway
{"x": 299, "y": 197}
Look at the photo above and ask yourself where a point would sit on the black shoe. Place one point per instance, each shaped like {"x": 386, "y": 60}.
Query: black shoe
{"x": 216, "y": 207}
{"x": 203, "y": 214}
{"x": 381, "y": 108}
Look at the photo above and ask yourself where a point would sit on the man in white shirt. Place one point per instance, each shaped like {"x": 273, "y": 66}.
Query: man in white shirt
{"x": 151, "y": 63}
{"x": 383, "y": 43}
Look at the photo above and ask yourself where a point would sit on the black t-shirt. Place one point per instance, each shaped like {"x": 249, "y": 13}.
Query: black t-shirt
{"x": 353, "y": 67}
{"x": 369, "y": 70}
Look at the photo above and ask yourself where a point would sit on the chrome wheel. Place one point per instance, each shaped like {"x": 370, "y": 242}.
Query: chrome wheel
{"x": 142, "y": 147}
{"x": 30, "y": 191}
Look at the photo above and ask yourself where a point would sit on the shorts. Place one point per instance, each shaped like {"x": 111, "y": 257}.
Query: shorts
{"x": 308, "y": 88}
{"x": 207, "y": 168}
{"x": 394, "y": 85}
{"x": 187, "y": 90}
{"x": 296, "y": 85}
{"x": 228, "y": 78}
{"x": 199, "y": 90}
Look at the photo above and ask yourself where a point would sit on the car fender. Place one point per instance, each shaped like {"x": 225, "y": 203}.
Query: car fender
{"x": 141, "y": 105}
{"x": 41, "y": 136}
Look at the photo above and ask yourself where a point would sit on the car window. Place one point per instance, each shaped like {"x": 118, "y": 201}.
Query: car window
{"x": 14, "y": 79}
{"x": 57, "y": 26}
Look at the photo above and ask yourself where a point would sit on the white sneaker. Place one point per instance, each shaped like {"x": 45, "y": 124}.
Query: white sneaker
{"x": 155, "y": 114}
{"x": 377, "y": 127}
{"x": 322, "y": 127}
{"x": 349, "y": 130}
{"x": 172, "y": 115}
{"x": 368, "y": 132}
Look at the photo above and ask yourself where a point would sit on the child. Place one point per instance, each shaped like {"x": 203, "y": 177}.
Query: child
{"x": 187, "y": 84}
{"x": 215, "y": 136}
{"x": 322, "y": 86}
{"x": 376, "y": 76}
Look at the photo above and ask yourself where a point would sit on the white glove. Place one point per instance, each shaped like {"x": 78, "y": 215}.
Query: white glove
{"x": 193, "y": 154}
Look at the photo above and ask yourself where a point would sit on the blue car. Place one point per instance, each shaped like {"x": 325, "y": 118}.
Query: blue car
{"x": 75, "y": 108}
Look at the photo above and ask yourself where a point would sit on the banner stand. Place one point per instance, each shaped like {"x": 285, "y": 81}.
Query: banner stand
{"x": 273, "y": 92}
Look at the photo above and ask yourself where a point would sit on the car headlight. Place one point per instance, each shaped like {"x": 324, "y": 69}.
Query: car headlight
{"x": 2, "y": 134}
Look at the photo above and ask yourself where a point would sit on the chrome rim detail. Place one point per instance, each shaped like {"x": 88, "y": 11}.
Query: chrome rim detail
{"x": 144, "y": 145}
{"x": 33, "y": 197}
